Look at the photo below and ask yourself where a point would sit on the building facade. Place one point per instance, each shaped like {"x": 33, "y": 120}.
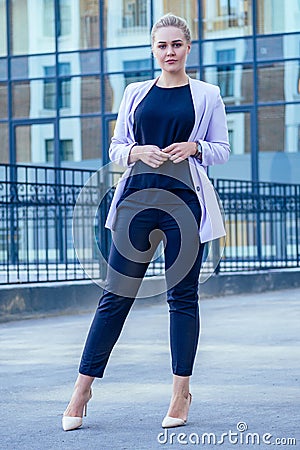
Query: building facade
{"x": 64, "y": 65}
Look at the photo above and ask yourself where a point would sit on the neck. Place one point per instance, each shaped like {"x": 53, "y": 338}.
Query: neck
{"x": 171, "y": 80}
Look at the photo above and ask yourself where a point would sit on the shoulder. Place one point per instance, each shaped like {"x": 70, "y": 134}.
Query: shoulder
{"x": 204, "y": 87}
{"x": 138, "y": 86}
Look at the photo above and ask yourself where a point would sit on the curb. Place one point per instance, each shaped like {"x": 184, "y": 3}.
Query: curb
{"x": 51, "y": 299}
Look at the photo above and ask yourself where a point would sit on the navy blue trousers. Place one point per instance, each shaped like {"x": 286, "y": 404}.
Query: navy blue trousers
{"x": 146, "y": 227}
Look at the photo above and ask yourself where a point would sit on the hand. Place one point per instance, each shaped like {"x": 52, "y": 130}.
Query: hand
{"x": 149, "y": 154}
{"x": 179, "y": 151}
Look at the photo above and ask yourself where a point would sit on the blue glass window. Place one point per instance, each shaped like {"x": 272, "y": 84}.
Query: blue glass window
{"x": 226, "y": 71}
{"x": 137, "y": 70}
{"x": 63, "y": 86}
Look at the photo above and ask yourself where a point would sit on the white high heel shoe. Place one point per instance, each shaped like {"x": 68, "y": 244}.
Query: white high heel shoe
{"x": 72, "y": 423}
{"x": 172, "y": 422}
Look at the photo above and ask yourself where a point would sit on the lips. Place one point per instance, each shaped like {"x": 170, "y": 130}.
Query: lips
{"x": 171, "y": 61}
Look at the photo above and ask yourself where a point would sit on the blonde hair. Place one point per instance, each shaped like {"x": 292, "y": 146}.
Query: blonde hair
{"x": 170, "y": 20}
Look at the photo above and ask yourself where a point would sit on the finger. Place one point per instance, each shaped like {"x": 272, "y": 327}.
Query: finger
{"x": 159, "y": 164}
{"x": 157, "y": 159}
{"x": 175, "y": 156}
{"x": 152, "y": 164}
{"x": 169, "y": 148}
{"x": 165, "y": 156}
{"x": 178, "y": 159}
{"x": 161, "y": 154}
{"x": 162, "y": 158}
{"x": 175, "y": 151}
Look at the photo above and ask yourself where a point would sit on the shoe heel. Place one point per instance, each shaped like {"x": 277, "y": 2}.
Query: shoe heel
{"x": 172, "y": 422}
{"x": 85, "y": 410}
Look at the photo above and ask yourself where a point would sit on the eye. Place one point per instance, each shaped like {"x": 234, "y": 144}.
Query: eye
{"x": 162, "y": 46}
{"x": 177, "y": 45}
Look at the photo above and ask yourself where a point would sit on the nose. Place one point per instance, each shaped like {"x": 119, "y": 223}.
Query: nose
{"x": 170, "y": 50}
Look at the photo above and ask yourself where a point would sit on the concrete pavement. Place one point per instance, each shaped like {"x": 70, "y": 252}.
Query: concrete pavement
{"x": 245, "y": 384}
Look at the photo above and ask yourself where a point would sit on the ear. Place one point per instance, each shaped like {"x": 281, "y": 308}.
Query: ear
{"x": 189, "y": 48}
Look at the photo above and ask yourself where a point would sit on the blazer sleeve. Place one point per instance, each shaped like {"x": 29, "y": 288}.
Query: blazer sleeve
{"x": 215, "y": 146}
{"x": 123, "y": 137}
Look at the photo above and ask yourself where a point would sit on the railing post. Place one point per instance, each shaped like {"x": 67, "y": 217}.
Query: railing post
{"x": 59, "y": 217}
{"x": 257, "y": 196}
{"x": 13, "y": 200}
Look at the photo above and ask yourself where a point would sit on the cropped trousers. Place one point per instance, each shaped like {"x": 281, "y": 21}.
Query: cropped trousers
{"x": 138, "y": 230}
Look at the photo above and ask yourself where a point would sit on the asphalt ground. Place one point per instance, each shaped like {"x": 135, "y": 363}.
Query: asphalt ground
{"x": 245, "y": 384}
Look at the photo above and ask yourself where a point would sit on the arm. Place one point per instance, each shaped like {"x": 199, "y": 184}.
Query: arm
{"x": 124, "y": 150}
{"x": 122, "y": 141}
{"x": 215, "y": 146}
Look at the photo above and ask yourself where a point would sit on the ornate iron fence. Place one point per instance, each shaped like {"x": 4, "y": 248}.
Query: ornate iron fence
{"x": 37, "y": 226}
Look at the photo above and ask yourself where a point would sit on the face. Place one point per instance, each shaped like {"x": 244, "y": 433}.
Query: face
{"x": 170, "y": 49}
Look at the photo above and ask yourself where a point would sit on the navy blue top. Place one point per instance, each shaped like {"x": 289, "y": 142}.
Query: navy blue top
{"x": 164, "y": 116}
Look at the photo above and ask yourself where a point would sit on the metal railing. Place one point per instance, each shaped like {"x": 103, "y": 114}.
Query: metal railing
{"x": 36, "y": 212}
{"x": 263, "y": 225}
{"x": 36, "y": 225}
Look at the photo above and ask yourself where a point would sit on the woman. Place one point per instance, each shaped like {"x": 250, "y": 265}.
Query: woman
{"x": 167, "y": 132}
